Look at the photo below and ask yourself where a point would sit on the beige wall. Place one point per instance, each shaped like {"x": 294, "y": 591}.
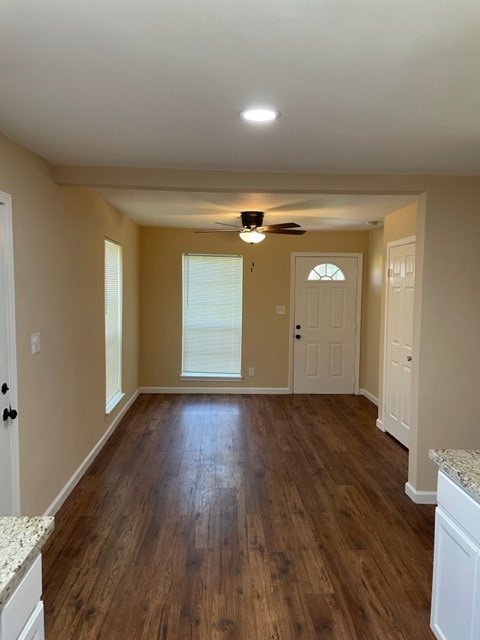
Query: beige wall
{"x": 265, "y": 335}
{"x": 449, "y": 341}
{"x": 400, "y": 224}
{"x": 58, "y": 245}
{"x": 371, "y": 314}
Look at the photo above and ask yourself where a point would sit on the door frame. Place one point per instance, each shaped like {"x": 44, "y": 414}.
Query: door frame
{"x": 358, "y": 309}
{"x": 390, "y": 245}
{"x": 6, "y": 227}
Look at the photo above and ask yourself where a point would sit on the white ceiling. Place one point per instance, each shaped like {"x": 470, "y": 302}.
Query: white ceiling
{"x": 363, "y": 86}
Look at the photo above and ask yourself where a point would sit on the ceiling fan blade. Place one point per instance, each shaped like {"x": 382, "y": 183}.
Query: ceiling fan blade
{"x": 280, "y": 225}
{"x": 291, "y": 232}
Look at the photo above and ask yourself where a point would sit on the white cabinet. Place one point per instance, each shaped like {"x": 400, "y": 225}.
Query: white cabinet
{"x": 22, "y": 616}
{"x": 456, "y": 569}
{"x": 34, "y": 629}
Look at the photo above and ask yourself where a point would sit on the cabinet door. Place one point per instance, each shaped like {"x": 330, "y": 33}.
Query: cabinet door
{"x": 34, "y": 629}
{"x": 455, "y": 582}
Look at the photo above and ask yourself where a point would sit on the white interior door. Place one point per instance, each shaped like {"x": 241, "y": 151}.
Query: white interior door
{"x": 399, "y": 340}
{"x": 325, "y": 353}
{"x": 9, "y": 489}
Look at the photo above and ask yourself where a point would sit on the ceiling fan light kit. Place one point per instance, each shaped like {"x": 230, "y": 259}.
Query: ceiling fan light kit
{"x": 252, "y": 236}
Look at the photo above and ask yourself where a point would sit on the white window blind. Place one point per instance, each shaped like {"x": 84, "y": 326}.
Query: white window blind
{"x": 113, "y": 323}
{"x": 212, "y": 315}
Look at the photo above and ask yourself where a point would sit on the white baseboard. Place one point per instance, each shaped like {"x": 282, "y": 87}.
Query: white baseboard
{"x": 77, "y": 476}
{"x": 369, "y": 396}
{"x": 240, "y": 390}
{"x": 379, "y": 424}
{"x": 420, "y": 497}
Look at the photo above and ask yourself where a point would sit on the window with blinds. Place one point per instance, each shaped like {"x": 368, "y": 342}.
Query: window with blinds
{"x": 113, "y": 324}
{"x": 212, "y": 316}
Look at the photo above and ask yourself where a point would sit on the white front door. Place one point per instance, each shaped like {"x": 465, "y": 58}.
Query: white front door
{"x": 399, "y": 341}
{"x": 9, "y": 500}
{"x": 326, "y": 323}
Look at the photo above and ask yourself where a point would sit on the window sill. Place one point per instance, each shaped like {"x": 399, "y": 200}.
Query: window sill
{"x": 205, "y": 377}
{"x": 113, "y": 402}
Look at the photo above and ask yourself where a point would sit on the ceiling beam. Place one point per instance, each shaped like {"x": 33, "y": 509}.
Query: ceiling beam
{"x": 238, "y": 181}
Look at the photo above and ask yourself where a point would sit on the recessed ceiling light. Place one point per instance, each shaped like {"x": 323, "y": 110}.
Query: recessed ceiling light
{"x": 262, "y": 114}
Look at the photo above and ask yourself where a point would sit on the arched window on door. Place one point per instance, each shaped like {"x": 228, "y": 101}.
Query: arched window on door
{"x": 326, "y": 271}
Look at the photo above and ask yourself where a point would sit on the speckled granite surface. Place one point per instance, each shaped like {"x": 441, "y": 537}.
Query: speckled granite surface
{"x": 462, "y": 465}
{"x": 21, "y": 540}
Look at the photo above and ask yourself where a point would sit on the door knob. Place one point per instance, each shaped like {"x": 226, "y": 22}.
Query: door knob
{"x": 409, "y": 358}
{"x": 298, "y": 326}
{"x": 298, "y": 336}
{"x": 9, "y": 413}
{"x": 5, "y": 388}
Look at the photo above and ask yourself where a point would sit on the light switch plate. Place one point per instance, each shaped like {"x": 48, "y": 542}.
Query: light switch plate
{"x": 280, "y": 309}
{"x": 35, "y": 343}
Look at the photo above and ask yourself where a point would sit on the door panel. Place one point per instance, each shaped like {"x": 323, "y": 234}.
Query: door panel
{"x": 336, "y": 360}
{"x": 312, "y": 369}
{"x": 325, "y": 310}
{"x": 408, "y": 318}
{"x": 338, "y": 309}
{"x": 313, "y": 309}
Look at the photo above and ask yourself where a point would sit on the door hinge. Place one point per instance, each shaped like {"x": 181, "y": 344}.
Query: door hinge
{"x": 390, "y": 273}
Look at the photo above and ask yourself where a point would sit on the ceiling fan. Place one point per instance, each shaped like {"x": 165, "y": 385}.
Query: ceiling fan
{"x": 253, "y": 230}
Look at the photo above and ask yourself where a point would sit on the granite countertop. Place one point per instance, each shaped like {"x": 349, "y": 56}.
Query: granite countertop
{"x": 21, "y": 540}
{"x": 462, "y": 465}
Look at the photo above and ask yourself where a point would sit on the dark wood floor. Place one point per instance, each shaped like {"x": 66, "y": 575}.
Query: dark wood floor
{"x": 249, "y": 517}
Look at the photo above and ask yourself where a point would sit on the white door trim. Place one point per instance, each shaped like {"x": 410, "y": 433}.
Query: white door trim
{"x": 398, "y": 243}
{"x": 389, "y": 246}
{"x": 7, "y": 224}
{"x": 358, "y": 308}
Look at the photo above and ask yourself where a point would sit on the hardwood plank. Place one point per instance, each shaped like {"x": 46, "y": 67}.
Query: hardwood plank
{"x": 242, "y": 518}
